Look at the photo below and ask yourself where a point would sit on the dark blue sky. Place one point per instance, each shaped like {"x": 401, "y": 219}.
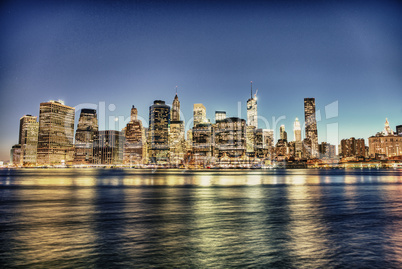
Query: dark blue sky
{"x": 131, "y": 54}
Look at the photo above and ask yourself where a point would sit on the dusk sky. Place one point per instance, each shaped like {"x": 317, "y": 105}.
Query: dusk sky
{"x": 127, "y": 54}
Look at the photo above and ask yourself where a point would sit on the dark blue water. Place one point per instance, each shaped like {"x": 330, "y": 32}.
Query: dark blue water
{"x": 216, "y": 219}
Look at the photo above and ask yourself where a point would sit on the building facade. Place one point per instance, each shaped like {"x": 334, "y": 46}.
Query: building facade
{"x": 199, "y": 114}
{"x": 230, "y": 137}
{"x": 84, "y": 136}
{"x": 158, "y": 133}
{"x": 297, "y": 130}
{"x": 108, "y": 147}
{"x": 133, "y": 152}
{"x": 29, "y": 140}
{"x": 56, "y": 134}
{"x": 177, "y": 141}
{"x": 311, "y": 125}
{"x": 252, "y": 118}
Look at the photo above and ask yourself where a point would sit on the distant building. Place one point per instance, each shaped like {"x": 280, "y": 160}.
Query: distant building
{"x": 386, "y": 143}
{"x": 399, "y": 130}
{"x": 108, "y": 147}
{"x": 203, "y": 142}
{"x": 281, "y": 150}
{"x": 252, "y": 119}
{"x": 353, "y": 148}
{"x": 158, "y": 137}
{"x": 56, "y": 134}
{"x": 264, "y": 142}
{"x": 230, "y": 137}
{"x": 327, "y": 150}
{"x": 134, "y": 150}
{"x": 84, "y": 136}
{"x": 15, "y": 155}
{"x": 250, "y": 139}
{"x": 29, "y": 140}
{"x": 220, "y": 115}
{"x": 176, "y": 134}
{"x": 311, "y": 125}
{"x": 283, "y": 134}
{"x": 199, "y": 114}
{"x": 297, "y": 130}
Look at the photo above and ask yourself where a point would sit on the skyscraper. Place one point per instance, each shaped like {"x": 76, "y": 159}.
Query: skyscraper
{"x": 28, "y": 139}
{"x": 297, "y": 130}
{"x": 252, "y": 109}
{"x": 84, "y": 136}
{"x": 176, "y": 135}
{"x": 175, "y": 109}
{"x": 220, "y": 115}
{"x": 133, "y": 152}
{"x": 158, "y": 133}
{"x": 230, "y": 137}
{"x": 311, "y": 125}
{"x": 56, "y": 134}
{"x": 283, "y": 133}
{"x": 199, "y": 114}
{"x": 108, "y": 147}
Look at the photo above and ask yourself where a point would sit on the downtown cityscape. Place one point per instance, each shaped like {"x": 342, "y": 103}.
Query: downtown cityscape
{"x": 225, "y": 142}
{"x": 200, "y": 134}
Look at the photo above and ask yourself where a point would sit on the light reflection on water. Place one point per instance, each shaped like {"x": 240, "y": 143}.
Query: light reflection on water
{"x": 130, "y": 218}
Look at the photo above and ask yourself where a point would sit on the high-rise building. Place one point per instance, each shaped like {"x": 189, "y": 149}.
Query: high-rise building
{"x": 220, "y": 115}
{"x": 230, "y": 137}
{"x": 133, "y": 152}
{"x": 28, "y": 139}
{"x": 264, "y": 142}
{"x": 203, "y": 142}
{"x": 56, "y": 134}
{"x": 353, "y": 148}
{"x": 327, "y": 150}
{"x": 399, "y": 130}
{"x": 283, "y": 134}
{"x": 252, "y": 119}
{"x": 84, "y": 136}
{"x": 297, "y": 130}
{"x": 15, "y": 155}
{"x": 311, "y": 125}
{"x": 175, "y": 116}
{"x": 108, "y": 147}
{"x": 250, "y": 139}
{"x": 199, "y": 114}
{"x": 158, "y": 133}
{"x": 176, "y": 134}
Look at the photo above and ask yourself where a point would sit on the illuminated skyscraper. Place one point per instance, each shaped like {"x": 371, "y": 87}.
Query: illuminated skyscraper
{"x": 297, "y": 130}
{"x": 28, "y": 139}
{"x": 220, "y": 115}
{"x": 311, "y": 125}
{"x": 200, "y": 114}
{"x": 176, "y": 135}
{"x": 252, "y": 109}
{"x": 283, "y": 133}
{"x": 133, "y": 152}
{"x": 230, "y": 137}
{"x": 56, "y": 134}
{"x": 84, "y": 136}
{"x": 202, "y": 142}
{"x": 158, "y": 133}
{"x": 264, "y": 142}
{"x": 108, "y": 147}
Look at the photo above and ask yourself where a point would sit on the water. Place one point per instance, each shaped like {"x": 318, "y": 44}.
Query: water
{"x": 110, "y": 218}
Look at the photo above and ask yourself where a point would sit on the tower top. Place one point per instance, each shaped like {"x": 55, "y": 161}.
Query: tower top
{"x": 251, "y": 90}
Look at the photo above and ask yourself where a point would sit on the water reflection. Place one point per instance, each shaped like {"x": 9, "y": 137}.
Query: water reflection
{"x": 131, "y": 218}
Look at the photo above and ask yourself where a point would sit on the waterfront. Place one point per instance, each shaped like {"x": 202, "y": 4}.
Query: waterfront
{"x": 201, "y": 219}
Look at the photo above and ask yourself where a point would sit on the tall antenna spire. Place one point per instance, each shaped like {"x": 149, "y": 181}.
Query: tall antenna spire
{"x": 251, "y": 90}
{"x": 176, "y": 90}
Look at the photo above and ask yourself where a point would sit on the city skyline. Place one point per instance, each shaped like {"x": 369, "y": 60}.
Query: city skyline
{"x": 87, "y": 53}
